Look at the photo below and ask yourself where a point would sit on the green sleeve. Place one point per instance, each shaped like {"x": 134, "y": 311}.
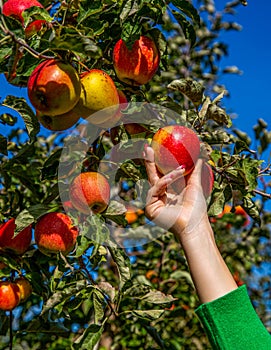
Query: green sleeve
{"x": 231, "y": 323}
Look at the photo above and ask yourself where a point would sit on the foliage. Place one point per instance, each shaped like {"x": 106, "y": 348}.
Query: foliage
{"x": 102, "y": 295}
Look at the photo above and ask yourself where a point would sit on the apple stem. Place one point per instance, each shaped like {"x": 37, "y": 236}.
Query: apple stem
{"x": 10, "y": 330}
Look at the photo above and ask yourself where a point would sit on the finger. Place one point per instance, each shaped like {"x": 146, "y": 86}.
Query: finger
{"x": 195, "y": 176}
{"x": 150, "y": 165}
{"x": 161, "y": 185}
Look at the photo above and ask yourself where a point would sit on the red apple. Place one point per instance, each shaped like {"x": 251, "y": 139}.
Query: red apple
{"x": 175, "y": 145}
{"x": 9, "y": 295}
{"x": 207, "y": 179}
{"x": 58, "y": 122}
{"x": 18, "y": 244}
{"x": 34, "y": 27}
{"x": 98, "y": 94}
{"x": 138, "y": 65}
{"x": 15, "y": 8}
{"x": 54, "y": 87}
{"x": 90, "y": 191}
{"x": 24, "y": 287}
{"x": 55, "y": 233}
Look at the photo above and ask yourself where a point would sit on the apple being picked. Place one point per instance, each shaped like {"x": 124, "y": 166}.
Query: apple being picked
{"x": 136, "y": 66}
{"x": 55, "y": 233}
{"x": 90, "y": 191}
{"x": 54, "y": 87}
{"x": 174, "y": 146}
{"x": 20, "y": 243}
{"x": 98, "y": 94}
{"x": 9, "y": 295}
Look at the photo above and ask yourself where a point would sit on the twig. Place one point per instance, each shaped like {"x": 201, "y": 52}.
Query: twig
{"x": 24, "y": 44}
{"x": 263, "y": 194}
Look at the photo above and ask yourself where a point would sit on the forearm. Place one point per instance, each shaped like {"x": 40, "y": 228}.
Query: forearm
{"x": 210, "y": 274}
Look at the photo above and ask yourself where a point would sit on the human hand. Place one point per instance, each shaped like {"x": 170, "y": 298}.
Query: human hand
{"x": 179, "y": 212}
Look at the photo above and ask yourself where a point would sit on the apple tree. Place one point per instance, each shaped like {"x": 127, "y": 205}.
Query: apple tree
{"x": 102, "y": 294}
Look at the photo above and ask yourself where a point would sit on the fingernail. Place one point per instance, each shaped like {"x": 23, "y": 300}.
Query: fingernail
{"x": 181, "y": 167}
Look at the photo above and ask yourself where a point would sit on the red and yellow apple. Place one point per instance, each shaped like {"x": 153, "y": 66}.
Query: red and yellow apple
{"x": 15, "y": 8}
{"x": 55, "y": 233}
{"x": 20, "y": 243}
{"x": 98, "y": 94}
{"x": 138, "y": 65}
{"x": 25, "y": 288}
{"x": 123, "y": 103}
{"x": 58, "y": 122}
{"x": 174, "y": 146}
{"x": 9, "y": 295}
{"x": 90, "y": 191}
{"x": 54, "y": 87}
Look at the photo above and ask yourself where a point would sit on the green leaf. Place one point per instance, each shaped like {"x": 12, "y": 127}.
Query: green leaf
{"x": 219, "y": 197}
{"x": 20, "y": 106}
{"x": 251, "y": 208}
{"x": 130, "y": 8}
{"x": 98, "y": 303}
{"x": 187, "y": 8}
{"x": 218, "y": 115}
{"x": 157, "y": 297}
{"x": 122, "y": 262}
{"x": 187, "y": 27}
{"x": 190, "y": 88}
{"x": 3, "y": 145}
{"x": 89, "y": 338}
{"x": 148, "y": 314}
{"x": 50, "y": 166}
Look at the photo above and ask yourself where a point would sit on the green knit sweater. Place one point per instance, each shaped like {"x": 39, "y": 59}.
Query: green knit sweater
{"x": 231, "y": 323}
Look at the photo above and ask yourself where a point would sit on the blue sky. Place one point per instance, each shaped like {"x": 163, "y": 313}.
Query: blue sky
{"x": 250, "y": 51}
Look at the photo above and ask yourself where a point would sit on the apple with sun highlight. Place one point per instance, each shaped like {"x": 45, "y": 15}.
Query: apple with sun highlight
{"x": 55, "y": 233}
{"x": 136, "y": 66}
{"x": 9, "y": 295}
{"x": 54, "y": 87}
{"x": 174, "y": 146}
{"x": 98, "y": 94}
{"x": 90, "y": 191}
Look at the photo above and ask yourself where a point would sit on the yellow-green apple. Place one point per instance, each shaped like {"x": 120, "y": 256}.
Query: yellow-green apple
{"x": 15, "y": 8}
{"x": 98, "y": 94}
{"x": 20, "y": 243}
{"x": 136, "y": 66}
{"x": 174, "y": 146}
{"x": 9, "y": 295}
{"x": 24, "y": 287}
{"x": 58, "y": 122}
{"x": 116, "y": 117}
{"x": 54, "y": 87}
{"x": 90, "y": 191}
{"x": 55, "y": 233}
